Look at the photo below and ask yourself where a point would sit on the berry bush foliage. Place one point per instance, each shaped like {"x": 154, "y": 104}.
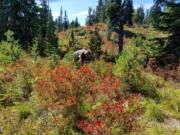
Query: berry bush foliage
{"x": 87, "y": 103}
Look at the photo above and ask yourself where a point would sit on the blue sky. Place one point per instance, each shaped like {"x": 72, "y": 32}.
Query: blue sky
{"x": 79, "y": 8}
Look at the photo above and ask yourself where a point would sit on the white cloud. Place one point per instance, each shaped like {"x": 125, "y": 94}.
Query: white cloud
{"x": 82, "y": 14}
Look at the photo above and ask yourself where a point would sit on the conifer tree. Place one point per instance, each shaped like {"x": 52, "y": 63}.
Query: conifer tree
{"x": 139, "y": 16}
{"x": 51, "y": 37}
{"x": 66, "y": 21}
{"x": 95, "y": 43}
{"x": 169, "y": 21}
{"x": 21, "y": 17}
{"x": 47, "y": 37}
{"x": 60, "y": 21}
{"x": 116, "y": 12}
{"x": 72, "y": 39}
{"x": 89, "y": 20}
{"x": 76, "y": 23}
{"x": 99, "y": 11}
{"x": 129, "y": 12}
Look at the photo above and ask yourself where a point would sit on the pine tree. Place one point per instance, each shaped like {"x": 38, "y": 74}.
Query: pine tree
{"x": 139, "y": 16}
{"x": 21, "y": 17}
{"x": 99, "y": 11}
{"x": 66, "y": 21}
{"x": 169, "y": 17}
{"x": 147, "y": 17}
{"x": 72, "y": 40}
{"x": 129, "y": 12}
{"x": 47, "y": 37}
{"x": 154, "y": 16}
{"x": 95, "y": 44}
{"x": 60, "y": 21}
{"x": 44, "y": 13}
{"x": 89, "y": 20}
{"x": 51, "y": 37}
{"x": 116, "y": 13}
{"x": 76, "y": 23}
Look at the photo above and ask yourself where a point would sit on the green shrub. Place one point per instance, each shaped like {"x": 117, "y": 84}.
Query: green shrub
{"x": 100, "y": 67}
{"x": 24, "y": 111}
{"x": 95, "y": 44}
{"x": 152, "y": 110}
{"x": 129, "y": 67}
{"x": 17, "y": 90}
{"x": 9, "y": 49}
{"x": 69, "y": 56}
{"x": 54, "y": 59}
{"x": 35, "y": 50}
{"x": 170, "y": 100}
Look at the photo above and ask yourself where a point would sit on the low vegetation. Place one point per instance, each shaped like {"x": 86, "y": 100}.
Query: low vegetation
{"x": 130, "y": 87}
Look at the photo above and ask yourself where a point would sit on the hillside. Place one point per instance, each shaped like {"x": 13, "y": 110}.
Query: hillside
{"x": 52, "y": 95}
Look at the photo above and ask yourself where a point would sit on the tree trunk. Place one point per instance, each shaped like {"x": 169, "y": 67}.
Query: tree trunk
{"x": 120, "y": 38}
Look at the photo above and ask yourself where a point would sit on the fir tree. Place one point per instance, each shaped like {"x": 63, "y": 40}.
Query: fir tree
{"x": 99, "y": 11}
{"x": 129, "y": 12}
{"x": 95, "y": 44}
{"x": 89, "y": 20}
{"x": 116, "y": 12}
{"x": 60, "y": 21}
{"x": 139, "y": 16}
{"x": 169, "y": 17}
{"x": 66, "y": 21}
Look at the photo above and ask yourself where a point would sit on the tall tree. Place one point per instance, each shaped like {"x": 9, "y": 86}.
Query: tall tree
{"x": 76, "y": 23}
{"x": 129, "y": 12}
{"x": 154, "y": 15}
{"x": 47, "y": 37}
{"x": 44, "y": 13}
{"x": 170, "y": 22}
{"x": 66, "y": 21}
{"x": 21, "y": 17}
{"x": 116, "y": 12}
{"x": 89, "y": 20}
{"x": 139, "y": 16}
{"x": 60, "y": 20}
{"x": 99, "y": 11}
{"x": 95, "y": 44}
{"x": 52, "y": 46}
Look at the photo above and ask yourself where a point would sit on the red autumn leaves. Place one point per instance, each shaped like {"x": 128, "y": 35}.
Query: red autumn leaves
{"x": 67, "y": 87}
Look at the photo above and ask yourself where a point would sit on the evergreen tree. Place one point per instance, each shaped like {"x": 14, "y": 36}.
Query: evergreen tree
{"x": 154, "y": 16}
{"x": 66, "y": 21}
{"x": 146, "y": 21}
{"x": 99, "y": 11}
{"x": 94, "y": 17}
{"x": 47, "y": 37}
{"x": 60, "y": 21}
{"x": 129, "y": 12}
{"x": 72, "y": 40}
{"x": 44, "y": 13}
{"x": 116, "y": 12}
{"x": 21, "y": 17}
{"x": 139, "y": 16}
{"x": 95, "y": 44}
{"x": 89, "y": 20}
{"x": 51, "y": 37}
{"x": 169, "y": 17}
{"x": 77, "y": 24}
